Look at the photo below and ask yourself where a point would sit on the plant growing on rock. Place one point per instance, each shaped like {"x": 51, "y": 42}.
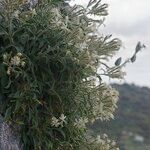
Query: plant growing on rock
{"x": 49, "y": 81}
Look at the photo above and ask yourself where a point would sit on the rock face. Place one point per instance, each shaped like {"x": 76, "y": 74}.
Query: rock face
{"x": 9, "y": 140}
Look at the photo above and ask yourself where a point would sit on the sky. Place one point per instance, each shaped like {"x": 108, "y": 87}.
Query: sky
{"x": 129, "y": 20}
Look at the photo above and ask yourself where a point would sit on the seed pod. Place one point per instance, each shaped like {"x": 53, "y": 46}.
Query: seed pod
{"x": 133, "y": 58}
{"x": 144, "y": 46}
{"x": 118, "y": 61}
{"x": 138, "y": 47}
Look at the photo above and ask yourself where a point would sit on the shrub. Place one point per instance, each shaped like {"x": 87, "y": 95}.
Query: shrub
{"x": 49, "y": 79}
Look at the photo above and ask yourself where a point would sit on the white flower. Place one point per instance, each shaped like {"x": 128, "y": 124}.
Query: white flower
{"x": 56, "y": 12}
{"x": 15, "y": 60}
{"x": 58, "y": 122}
{"x": 16, "y": 14}
{"x": 9, "y": 70}
{"x": 81, "y": 122}
{"x": 108, "y": 141}
{"x": 5, "y": 57}
{"x": 33, "y": 12}
{"x": 113, "y": 143}
{"x": 23, "y": 63}
{"x": 112, "y": 116}
{"x": 55, "y": 122}
{"x": 62, "y": 118}
{"x": 107, "y": 146}
{"x": 99, "y": 140}
{"x": 26, "y": 16}
{"x": 105, "y": 135}
{"x": 19, "y": 54}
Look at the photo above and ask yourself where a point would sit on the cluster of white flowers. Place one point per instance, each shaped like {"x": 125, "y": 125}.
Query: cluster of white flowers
{"x": 81, "y": 123}
{"x": 58, "y": 122}
{"x": 105, "y": 143}
{"x": 100, "y": 100}
{"x": 30, "y": 6}
{"x": 16, "y": 60}
{"x": 58, "y": 20}
{"x": 109, "y": 91}
{"x": 104, "y": 102}
{"x": 33, "y": 11}
{"x": 17, "y": 13}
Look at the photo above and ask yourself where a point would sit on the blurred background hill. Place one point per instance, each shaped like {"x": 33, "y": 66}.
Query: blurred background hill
{"x": 132, "y": 119}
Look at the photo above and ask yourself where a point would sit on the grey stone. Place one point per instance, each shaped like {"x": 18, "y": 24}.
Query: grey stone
{"x": 9, "y": 138}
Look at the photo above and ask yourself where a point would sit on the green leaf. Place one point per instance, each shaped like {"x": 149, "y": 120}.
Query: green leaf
{"x": 8, "y": 85}
{"x": 8, "y": 113}
{"x": 18, "y": 104}
{"x": 4, "y": 80}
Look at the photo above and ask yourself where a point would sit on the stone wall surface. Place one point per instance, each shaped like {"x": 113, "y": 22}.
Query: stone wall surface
{"x": 9, "y": 140}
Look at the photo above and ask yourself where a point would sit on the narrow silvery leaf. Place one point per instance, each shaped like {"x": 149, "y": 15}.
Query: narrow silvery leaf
{"x": 91, "y": 2}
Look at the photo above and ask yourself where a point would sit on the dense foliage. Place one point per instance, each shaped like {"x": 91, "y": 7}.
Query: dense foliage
{"x": 52, "y": 59}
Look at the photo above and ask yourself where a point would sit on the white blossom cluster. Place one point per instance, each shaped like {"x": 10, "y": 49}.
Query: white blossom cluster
{"x": 58, "y": 122}
{"x": 81, "y": 123}
{"x": 28, "y": 5}
{"x": 100, "y": 101}
{"x": 105, "y": 143}
{"x": 17, "y": 13}
{"x": 58, "y": 20}
{"x": 15, "y": 61}
{"x": 105, "y": 103}
{"x": 100, "y": 142}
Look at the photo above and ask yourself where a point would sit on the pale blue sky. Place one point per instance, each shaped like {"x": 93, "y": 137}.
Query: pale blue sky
{"x": 129, "y": 20}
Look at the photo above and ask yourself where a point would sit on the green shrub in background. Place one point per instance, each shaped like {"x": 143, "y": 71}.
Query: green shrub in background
{"x": 49, "y": 80}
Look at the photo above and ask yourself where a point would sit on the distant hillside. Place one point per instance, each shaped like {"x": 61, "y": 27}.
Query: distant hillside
{"x": 132, "y": 119}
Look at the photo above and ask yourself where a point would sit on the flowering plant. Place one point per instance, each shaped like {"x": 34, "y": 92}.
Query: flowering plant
{"x": 49, "y": 80}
